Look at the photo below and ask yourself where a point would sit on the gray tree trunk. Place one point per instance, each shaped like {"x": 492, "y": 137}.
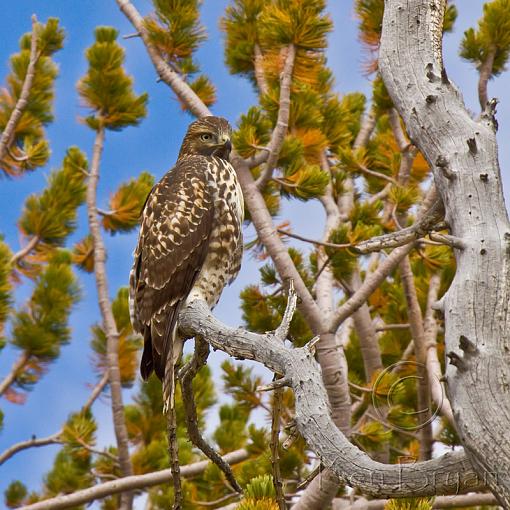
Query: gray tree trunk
{"x": 463, "y": 155}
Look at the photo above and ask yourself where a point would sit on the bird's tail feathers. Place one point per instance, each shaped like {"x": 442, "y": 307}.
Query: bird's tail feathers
{"x": 170, "y": 359}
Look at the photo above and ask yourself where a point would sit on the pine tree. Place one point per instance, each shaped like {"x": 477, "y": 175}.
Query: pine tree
{"x": 301, "y": 142}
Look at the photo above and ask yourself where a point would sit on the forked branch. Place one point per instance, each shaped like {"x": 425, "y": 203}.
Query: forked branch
{"x": 299, "y": 368}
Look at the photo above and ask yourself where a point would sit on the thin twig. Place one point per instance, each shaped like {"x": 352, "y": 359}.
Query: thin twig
{"x": 54, "y": 438}
{"x": 313, "y": 241}
{"x": 187, "y": 375}
{"x": 173, "y": 451}
{"x": 365, "y": 170}
{"x": 389, "y": 327}
{"x": 129, "y": 483}
{"x": 217, "y": 501}
{"x": 422, "y": 226}
{"x": 21, "y": 254}
{"x": 274, "y": 446}
{"x": 165, "y": 72}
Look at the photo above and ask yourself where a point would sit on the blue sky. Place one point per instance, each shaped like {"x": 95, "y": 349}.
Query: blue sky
{"x": 153, "y": 146}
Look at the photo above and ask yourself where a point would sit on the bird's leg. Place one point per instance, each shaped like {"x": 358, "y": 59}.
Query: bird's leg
{"x": 186, "y": 375}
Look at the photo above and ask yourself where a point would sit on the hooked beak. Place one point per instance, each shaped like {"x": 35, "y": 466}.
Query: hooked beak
{"x": 225, "y": 142}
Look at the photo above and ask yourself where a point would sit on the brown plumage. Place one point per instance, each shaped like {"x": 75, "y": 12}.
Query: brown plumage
{"x": 190, "y": 244}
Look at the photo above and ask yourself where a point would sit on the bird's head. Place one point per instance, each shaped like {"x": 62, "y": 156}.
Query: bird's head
{"x": 208, "y": 136}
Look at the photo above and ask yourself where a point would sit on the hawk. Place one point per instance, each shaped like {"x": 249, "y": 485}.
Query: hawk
{"x": 190, "y": 244}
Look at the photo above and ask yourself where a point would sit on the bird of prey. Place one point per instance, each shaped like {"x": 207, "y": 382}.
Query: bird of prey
{"x": 190, "y": 244}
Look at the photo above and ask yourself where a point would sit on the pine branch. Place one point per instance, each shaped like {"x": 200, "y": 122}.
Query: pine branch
{"x": 165, "y": 72}
{"x": 16, "y": 369}
{"x": 22, "y": 102}
{"x": 276, "y": 249}
{"x": 258, "y": 59}
{"x": 190, "y": 411}
{"x": 105, "y": 306}
{"x": 282, "y": 122}
{"x": 54, "y": 438}
{"x": 30, "y": 443}
{"x": 485, "y": 72}
{"x": 21, "y": 254}
{"x": 129, "y": 483}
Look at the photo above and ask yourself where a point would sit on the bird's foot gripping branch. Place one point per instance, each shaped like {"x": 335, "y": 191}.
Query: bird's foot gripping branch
{"x": 450, "y": 473}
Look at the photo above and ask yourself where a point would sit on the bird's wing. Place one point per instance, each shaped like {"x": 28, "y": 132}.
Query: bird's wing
{"x": 177, "y": 221}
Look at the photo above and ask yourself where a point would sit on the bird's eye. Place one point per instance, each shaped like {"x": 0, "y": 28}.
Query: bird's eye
{"x": 206, "y": 137}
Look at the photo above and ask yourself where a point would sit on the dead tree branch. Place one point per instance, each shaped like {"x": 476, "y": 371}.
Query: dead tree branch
{"x": 187, "y": 375}
{"x": 129, "y": 483}
{"x": 420, "y": 228}
{"x": 312, "y": 417}
{"x": 54, "y": 438}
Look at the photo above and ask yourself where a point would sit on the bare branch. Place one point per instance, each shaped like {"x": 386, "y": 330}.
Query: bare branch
{"x": 313, "y": 241}
{"x": 366, "y": 130}
{"x": 437, "y": 390}
{"x": 418, "y": 334}
{"x": 30, "y": 443}
{"x": 389, "y": 327}
{"x": 485, "y": 72}
{"x": 173, "y": 448}
{"x": 274, "y": 446}
{"x": 22, "y": 102}
{"x": 397, "y": 130}
{"x": 110, "y": 328}
{"x": 129, "y": 483}
{"x": 423, "y": 225}
{"x": 16, "y": 369}
{"x": 313, "y": 420}
{"x": 54, "y": 438}
{"x": 282, "y": 122}
{"x": 21, "y": 254}
{"x": 260, "y": 77}
{"x": 187, "y": 375}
